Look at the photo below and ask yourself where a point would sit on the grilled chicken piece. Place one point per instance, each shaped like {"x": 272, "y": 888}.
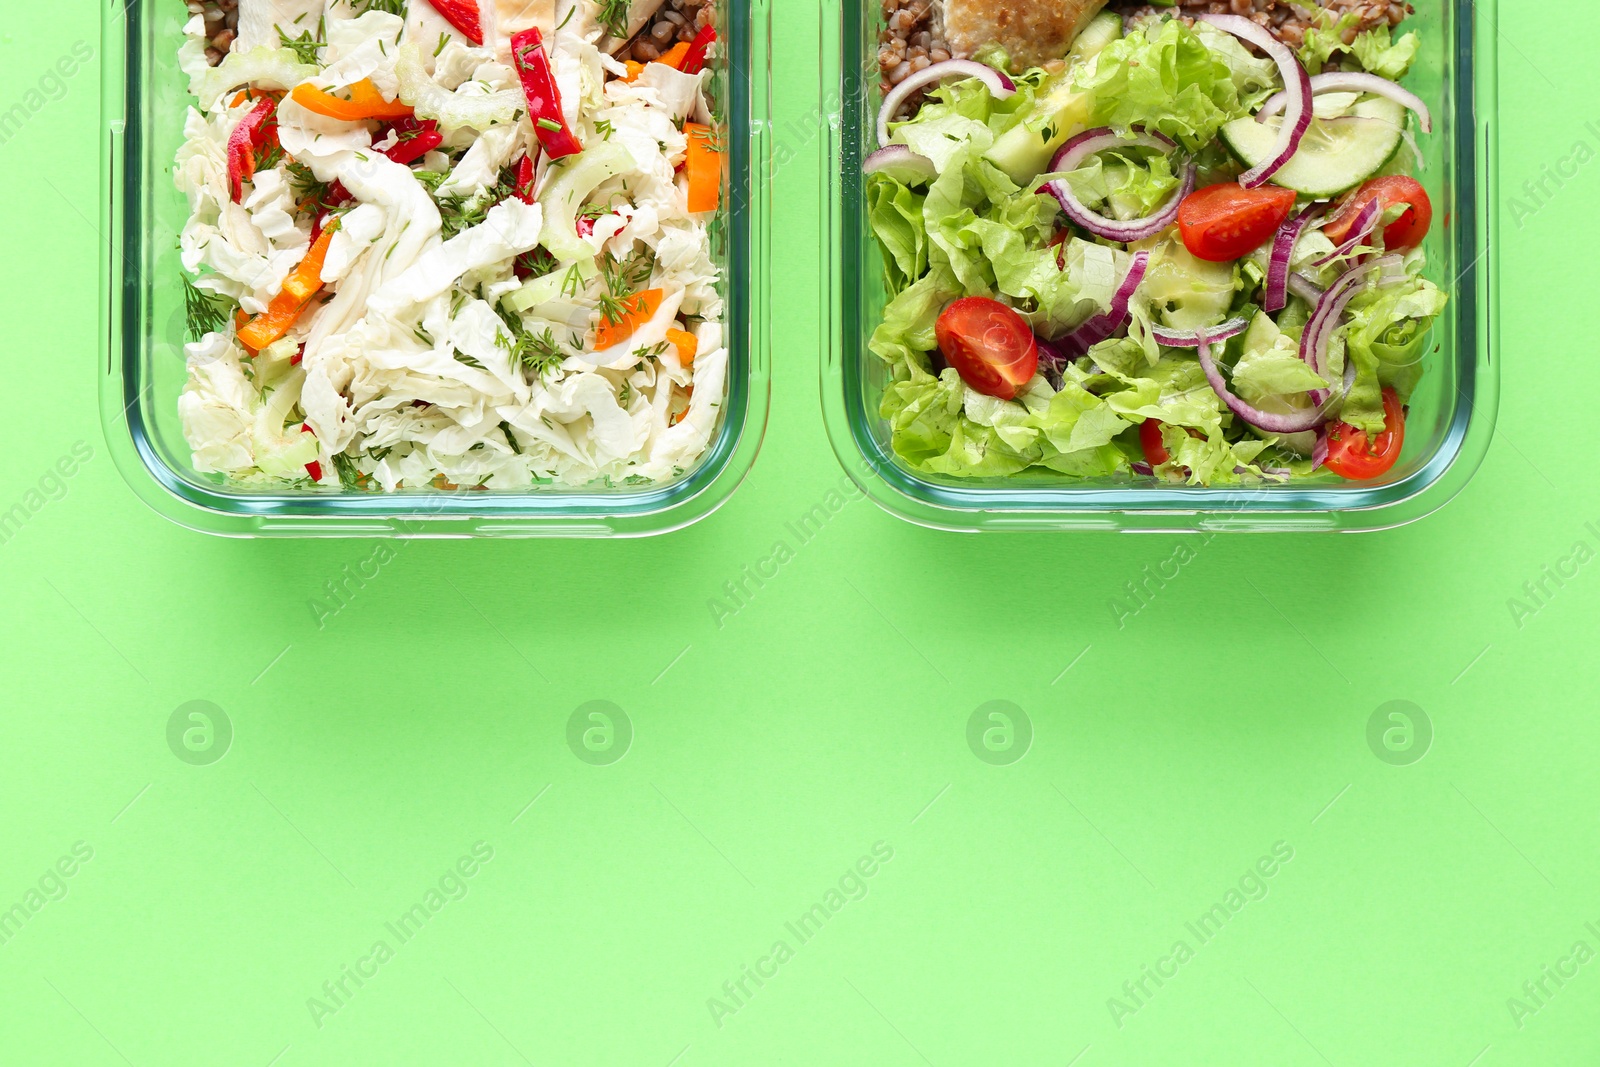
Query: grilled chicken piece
{"x": 259, "y": 20}
{"x": 640, "y": 12}
{"x": 510, "y": 17}
{"x": 1032, "y": 32}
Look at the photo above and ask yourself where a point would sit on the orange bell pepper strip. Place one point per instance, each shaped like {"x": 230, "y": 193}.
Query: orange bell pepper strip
{"x": 674, "y": 56}
{"x": 703, "y": 165}
{"x": 253, "y": 94}
{"x": 636, "y": 311}
{"x": 687, "y": 344}
{"x": 303, "y": 283}
{"x": 365, "y": 103}
{"x": 680, "y": 416}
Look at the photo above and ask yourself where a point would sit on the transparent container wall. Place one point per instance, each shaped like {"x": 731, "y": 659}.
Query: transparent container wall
{"x": 1452, "y": 415}
{"x": 144, "y": 100}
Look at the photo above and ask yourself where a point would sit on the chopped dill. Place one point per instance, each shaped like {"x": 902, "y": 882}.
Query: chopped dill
{"x": 205, "y": 312}
{"x": 538, "y": 353}
{"x": 613, "y": 16}
{"x": 307, "y": 48}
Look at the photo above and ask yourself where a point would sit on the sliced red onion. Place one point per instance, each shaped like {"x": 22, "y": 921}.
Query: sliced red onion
{"x": 1366, "y": 223}
{"x": 1277, "y": 294}
{"x": 1340, "y": 81}
{"x": 900, "y": 163}
{"x": 1052, "y": 361}
{"x": 1297, "y": 93}
{"x": 1142, "y": 468}
{"x": 1325, "y": 319}
{"x": 1264, "y": 420}
{"x": 1079, "y": 341}
{"x": 1319, "y": 453}
{"x": 999, "y": 85}
{"x": 1086, "y": 144}
{"x": 1305, "y": 288}
{"x": 1210, "y": 335}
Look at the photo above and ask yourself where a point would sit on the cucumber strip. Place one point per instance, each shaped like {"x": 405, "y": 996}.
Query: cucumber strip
{"x": 1336, "y": 155}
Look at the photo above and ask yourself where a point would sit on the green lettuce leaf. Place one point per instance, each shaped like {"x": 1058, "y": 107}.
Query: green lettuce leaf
{"x": 1255, "y": 78}
{"x": 1270, "y": 364}
{"x": 1326, "y": 37}
{"x": 1386, "y": 336}
{"x": 1387, "y": 58}
{"x": 906, "y": 334}
{"x": 968, "y": 185}
{"x": 1163, "y": 76}
{"x": 1124, "y": 186}
{"x": 964, "y": 114}
{"x": 895, "y": 213}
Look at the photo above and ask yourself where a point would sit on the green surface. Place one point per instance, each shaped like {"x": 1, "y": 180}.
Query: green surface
{"x": 775, "y": 745}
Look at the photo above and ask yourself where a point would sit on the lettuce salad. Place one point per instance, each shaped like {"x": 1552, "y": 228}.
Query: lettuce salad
{"x": 974, "y": 217}
{"x": 433, "y": 246}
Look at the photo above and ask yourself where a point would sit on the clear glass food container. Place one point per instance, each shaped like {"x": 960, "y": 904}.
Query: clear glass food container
{"x": 143, "y": 101}
{"x": 1452, "y": 414}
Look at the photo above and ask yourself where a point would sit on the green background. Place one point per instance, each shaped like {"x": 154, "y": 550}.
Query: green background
{"x": 771, "y": 753}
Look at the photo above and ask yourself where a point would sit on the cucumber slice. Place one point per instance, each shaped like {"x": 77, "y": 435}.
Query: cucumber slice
{"x": 1101, "y": 31}
{"x": 1336, "y": 155}
{"x": 1187, "y": 293}
{"x": 1059, "y": 112}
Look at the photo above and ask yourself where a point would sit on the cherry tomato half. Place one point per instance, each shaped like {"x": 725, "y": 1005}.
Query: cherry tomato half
{"x": 1351, "y": 456}
{"x": 1155, "y": 450}
{"x": 989, "y": 345}
{"x": 1405, "y": 232}
{"x": 1222, "y": 223}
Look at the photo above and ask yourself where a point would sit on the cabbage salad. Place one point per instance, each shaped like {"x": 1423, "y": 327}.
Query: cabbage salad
{"x": 449, "y": 245}
{"x": 1187, "y": 250}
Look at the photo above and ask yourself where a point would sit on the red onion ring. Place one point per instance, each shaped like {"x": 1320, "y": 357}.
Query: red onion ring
{"x": 1181, "y": 339}
{"x": 999, "y": 85}
{"x": 1079, "y": 341}
{"x": 1325, "y": 319}
{"x": 1366, "y": 223}
{"x": 1340, "y": 81}
{"x": 1277, "y": 294}
{"x": 900, "y": 163}
{"x": 1297, "y": 93}
{"x": 1086, "y": 144}
{"x": 1305, "y": 288}
{"x": 1267, "y": 420}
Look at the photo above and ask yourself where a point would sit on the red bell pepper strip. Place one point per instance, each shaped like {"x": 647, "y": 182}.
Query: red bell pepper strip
{"x": 337, "y": 196}
{"x": 313, "y": 468}
{"x": 247, "y": 137}
{"x": 463, "y": 15}
{"x": 544, "y": 99}
{"x": 416, "y": 139}
{"x": 695, "y": 61}
{"x": 524, "y": 190}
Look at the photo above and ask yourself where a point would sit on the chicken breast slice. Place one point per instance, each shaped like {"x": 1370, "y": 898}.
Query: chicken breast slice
{"x": 259, "y": 21}
{"x": 640, "y": 12}
{"x": 1031, "y": 31}
{"x": 504, "y": 19}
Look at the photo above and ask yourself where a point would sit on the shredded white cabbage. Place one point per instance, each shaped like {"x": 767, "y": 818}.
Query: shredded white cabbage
{"x": 455, "y": 338}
